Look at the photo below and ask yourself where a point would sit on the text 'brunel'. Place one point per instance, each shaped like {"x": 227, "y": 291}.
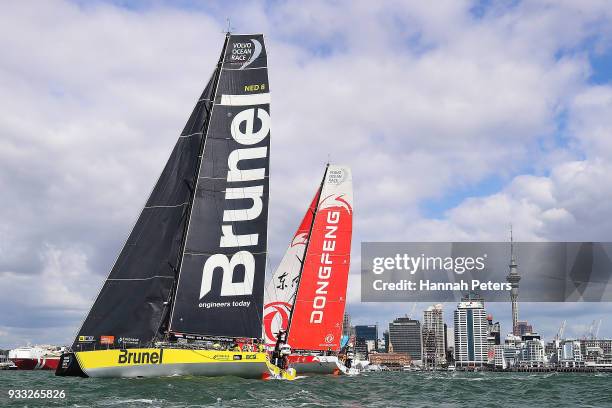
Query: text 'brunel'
{"x": 243, "y": 131}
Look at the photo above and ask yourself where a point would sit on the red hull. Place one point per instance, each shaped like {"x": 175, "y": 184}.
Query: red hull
{"x": 49, "y": 363}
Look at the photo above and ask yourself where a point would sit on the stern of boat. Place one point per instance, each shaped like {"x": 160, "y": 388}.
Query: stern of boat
{"x": 69, "y": 366}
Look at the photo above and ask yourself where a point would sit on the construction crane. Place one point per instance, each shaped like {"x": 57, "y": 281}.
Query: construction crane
{"x": 412, "y": 311}
{"x": 596, "y": 334}
{"x": 561, "y": 330}
{"x": 590, "y": 331}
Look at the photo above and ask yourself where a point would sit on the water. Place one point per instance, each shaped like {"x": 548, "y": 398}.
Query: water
{"x": 368, "y": 390}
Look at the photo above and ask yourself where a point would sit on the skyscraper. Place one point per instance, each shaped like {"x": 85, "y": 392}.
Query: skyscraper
{"x": 434, "y": 350}
{"x": 366, "y": 340}
{"x": 513, "y": 278}
{"x": 471, "y": 332}
{"x": 386, "y": 338}
{"x": 346, "y": 325}
{"x": 405, "y": 337}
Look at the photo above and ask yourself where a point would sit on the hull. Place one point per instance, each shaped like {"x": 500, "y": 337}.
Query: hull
{"x": 157, "y": 362}
{"x": 318, "y": 365}
{"x": 42, "y": 363}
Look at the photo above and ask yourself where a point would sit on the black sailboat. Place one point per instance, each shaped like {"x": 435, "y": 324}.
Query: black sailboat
{"x": 189, "y": 280}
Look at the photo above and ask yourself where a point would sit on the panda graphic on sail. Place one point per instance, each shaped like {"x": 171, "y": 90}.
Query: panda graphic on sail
{"x": 185, "y": 295}
{"x": 306, "y": 297}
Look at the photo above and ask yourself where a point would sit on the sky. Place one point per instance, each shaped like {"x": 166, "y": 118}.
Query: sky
{"x": 458, "y": 118}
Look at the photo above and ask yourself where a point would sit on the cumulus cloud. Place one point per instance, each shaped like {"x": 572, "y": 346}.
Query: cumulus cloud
{"x": 421, "y": 100}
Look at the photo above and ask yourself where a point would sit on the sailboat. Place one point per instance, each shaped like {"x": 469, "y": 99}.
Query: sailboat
{"x": 185, "y": 295}
{"x": 307, "y": 293}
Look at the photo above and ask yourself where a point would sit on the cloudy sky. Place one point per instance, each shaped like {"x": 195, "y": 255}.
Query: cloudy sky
{"x": 457, "y": 117}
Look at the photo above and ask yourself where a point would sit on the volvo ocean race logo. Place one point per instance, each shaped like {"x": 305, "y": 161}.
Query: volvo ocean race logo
{"x": 245, "y": 52}
{"x": 242, "y": 129}
{"x": 276, "y": 317}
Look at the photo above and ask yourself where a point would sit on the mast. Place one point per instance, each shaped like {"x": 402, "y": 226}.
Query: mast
{"x": 169, "y": 304}
{"x": 314, "y": 216}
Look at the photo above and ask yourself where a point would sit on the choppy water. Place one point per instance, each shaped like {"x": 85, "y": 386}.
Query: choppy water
{"x": 368, "y": 390}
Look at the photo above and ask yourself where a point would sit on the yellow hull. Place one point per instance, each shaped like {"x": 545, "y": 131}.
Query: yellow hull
{"x": 158, "y": 362}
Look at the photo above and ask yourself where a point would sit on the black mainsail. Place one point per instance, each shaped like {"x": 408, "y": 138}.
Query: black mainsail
{"x": 221, "y": 282}
{"x": 204, "y": 224}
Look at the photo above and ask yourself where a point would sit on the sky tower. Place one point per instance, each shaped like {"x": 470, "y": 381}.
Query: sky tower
{"x": 513, "y": 278}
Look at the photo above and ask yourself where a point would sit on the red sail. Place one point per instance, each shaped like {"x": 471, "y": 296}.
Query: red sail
{"x": 316, "y": 322}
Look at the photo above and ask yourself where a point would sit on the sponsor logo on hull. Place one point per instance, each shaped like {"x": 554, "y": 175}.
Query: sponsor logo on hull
{"x": 141, "y": 357}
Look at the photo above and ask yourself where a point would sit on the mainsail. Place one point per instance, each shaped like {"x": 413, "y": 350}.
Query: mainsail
{"x": 203, "y": 227}
{"x": 221, "y": 281}
{"x": 316, "y": 320}
{"x": 280, "y": 291}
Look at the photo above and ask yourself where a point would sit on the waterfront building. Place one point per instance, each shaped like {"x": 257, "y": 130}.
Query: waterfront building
{"x": 405, "y": 337}
{"x": 470, "y": 318}
{"x": 393, "y": 361}
{"x": 434, "y": 339}
{"x": 532, "y": 353}
{"x": 511, "y": 350}
{"x": 499, "y": 357}
{"x": 603, "y": 347}
{"x": 570, "y": 354}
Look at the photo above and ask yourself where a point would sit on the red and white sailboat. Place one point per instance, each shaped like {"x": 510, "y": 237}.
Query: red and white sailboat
{"x": 307, "y": 293}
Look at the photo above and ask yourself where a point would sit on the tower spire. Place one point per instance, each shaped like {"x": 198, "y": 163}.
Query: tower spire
{"x": 513, "y": 278}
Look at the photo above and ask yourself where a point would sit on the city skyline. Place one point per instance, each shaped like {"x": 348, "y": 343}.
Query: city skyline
{"x": 497, "y": 114}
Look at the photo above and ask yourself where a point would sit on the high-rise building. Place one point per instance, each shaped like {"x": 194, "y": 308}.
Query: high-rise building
{"x": 471, "y": 332}
{"x": 405, "y": 337}
{"x": 434, "y": 342}
{"x": 386, "y": 338}
{"x": 450, "y": 344}
{"x": 513, "y": 278}
{"x": 521, "y": 328}
{"x": 494, "y": 332}
{"x": 346, "y": 325}
{"x": 366, "y": 340}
